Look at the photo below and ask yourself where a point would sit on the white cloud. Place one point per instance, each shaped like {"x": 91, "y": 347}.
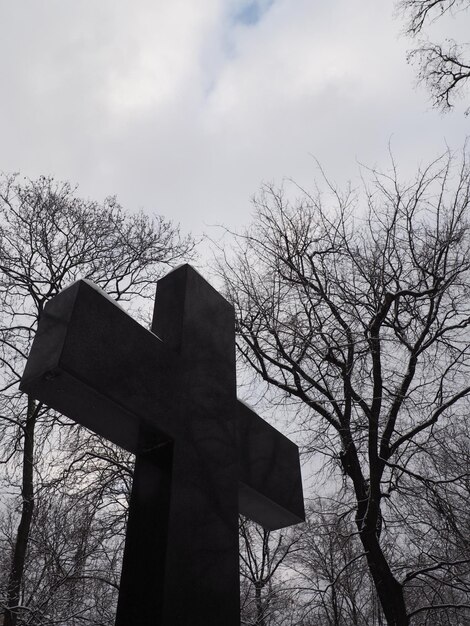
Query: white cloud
{"x": 186, "y": 107}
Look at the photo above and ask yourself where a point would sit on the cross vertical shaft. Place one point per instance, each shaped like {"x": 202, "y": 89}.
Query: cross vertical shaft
{"x": 195, "y": 530}
{"x": 143, "y": 569}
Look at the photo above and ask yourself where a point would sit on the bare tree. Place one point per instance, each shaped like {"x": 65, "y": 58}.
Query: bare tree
{"x": 333, "y": 579}
{"x": 438, "y": 522}
{"x": 443, "y": 67}
{"x": 49, "y": 237}
{"x": 264, "y": 557}
{"x": 358, "y": 317}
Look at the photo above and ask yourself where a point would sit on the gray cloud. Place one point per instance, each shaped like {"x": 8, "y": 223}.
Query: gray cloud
{"x": 185, "y": 108}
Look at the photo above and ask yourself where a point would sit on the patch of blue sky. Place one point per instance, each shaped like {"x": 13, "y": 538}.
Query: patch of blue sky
{"x": 239, "y": 15}
{"x": 251, "y": 12}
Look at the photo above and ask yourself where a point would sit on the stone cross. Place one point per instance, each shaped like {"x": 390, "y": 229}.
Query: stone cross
{"x": 202, "y": 456}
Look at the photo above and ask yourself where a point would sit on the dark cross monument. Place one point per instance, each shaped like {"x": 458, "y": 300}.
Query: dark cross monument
{"x": 169, "y": 396}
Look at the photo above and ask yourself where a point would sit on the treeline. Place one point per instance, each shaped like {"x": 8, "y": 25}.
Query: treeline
{"x": 353, "y": 309}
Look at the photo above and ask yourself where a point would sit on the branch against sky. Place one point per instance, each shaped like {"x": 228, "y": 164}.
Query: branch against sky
{"x": 443, "y": 67}
{"x": 421, "y": 13}
{"x": 353, "y": 306}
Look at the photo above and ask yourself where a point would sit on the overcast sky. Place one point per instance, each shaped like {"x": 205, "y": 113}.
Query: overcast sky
{"x": 185, "y": 107}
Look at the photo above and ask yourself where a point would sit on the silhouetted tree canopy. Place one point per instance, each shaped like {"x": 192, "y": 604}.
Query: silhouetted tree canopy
{"x": 50, "y": 237}
{"x": 354, "y": 307}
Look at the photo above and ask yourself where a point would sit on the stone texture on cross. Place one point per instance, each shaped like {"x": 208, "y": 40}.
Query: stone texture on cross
{"x": 202, "y": 456}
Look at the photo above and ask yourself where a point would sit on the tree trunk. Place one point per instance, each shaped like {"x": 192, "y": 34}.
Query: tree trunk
{"x": 389, "y": 590}
{"x": 334, "y": 604}
{"x": 260, "y": 621}
{"x": 368, "y": 522}
{"x": 27, "y": 508}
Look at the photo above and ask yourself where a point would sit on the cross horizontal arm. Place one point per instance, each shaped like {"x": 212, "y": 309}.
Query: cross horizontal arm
{"x": 270, "y": 482}
{"x": 91, "y": 361}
